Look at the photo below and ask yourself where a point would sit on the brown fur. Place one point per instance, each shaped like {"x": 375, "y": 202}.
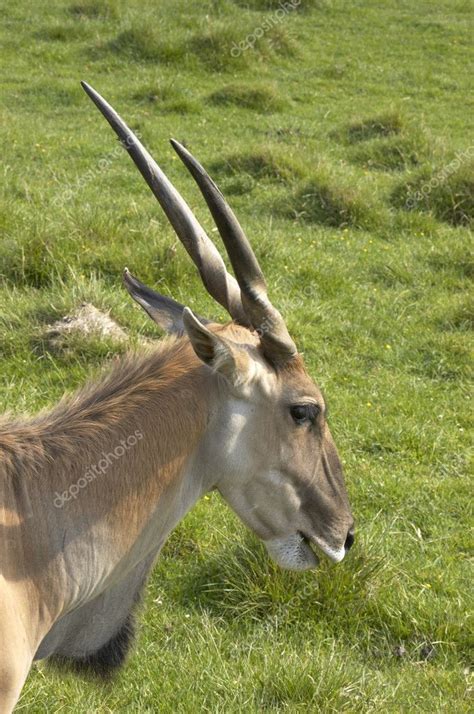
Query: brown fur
{"x": 161, "y": 394}
{"x": 27, "y": 444}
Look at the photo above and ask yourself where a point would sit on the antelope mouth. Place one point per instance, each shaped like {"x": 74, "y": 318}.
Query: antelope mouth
{"x": 315, "y": 542}
{"x": 307, "y": 542}
{"x": 308, "y": 545}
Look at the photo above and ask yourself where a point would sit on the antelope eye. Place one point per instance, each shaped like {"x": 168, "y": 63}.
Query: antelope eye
{"x": 302, "y": 413}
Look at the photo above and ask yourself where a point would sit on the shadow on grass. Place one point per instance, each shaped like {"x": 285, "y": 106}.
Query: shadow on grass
{"x": 241, "y": 582}
{"x": 367, "y": 601}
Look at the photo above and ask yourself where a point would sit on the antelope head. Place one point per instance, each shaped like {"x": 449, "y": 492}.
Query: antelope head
{"x": 269, "y": 450}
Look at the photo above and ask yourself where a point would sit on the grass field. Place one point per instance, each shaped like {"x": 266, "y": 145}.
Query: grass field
{"x": 338, "y": 129}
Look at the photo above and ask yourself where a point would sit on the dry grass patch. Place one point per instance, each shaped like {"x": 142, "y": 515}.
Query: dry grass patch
{"x": 86, "y": 320}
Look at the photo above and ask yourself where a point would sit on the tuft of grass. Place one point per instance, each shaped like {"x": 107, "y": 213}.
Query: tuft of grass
{"x": 264, "y": 99}
{"x": 147, "y": 43}
{"x": 279, "y": 42}
{"x": 94, "y": 10}
{"x": 396, "y": 152}
{"x": 222, "y": 47}
{"x": 167, "y": 98}
{"x": 446, "y": 191}
{"x": 259, "y": 165}
{"x": 330, "y": 199}
{"x": 382, "y": 125}
{"x": 217, "y": 46}
{"x": 213, "y": 46}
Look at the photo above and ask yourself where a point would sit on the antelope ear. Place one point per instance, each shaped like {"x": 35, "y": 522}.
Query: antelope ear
{"x": 222, "y": 355}
{"x": 166, "y": 312}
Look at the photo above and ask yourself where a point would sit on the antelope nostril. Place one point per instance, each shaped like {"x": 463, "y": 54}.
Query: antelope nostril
{"x": 349, "y": 540}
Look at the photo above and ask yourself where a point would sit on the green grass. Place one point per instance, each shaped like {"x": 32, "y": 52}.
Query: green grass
{"x": 446, "y": 191}
{"x": 322, "y": 131}
{"x": 263, "y": 98}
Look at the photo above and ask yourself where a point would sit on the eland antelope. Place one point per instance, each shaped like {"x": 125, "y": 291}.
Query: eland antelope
{"x": 90, "y": 490}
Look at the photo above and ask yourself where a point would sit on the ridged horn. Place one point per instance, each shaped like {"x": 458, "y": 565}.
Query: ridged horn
{"x": 266, "y": 320}
{"x": 218, "y": 282}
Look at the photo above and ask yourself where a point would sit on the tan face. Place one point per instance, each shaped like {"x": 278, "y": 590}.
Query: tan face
{"x": 277, "y": 464}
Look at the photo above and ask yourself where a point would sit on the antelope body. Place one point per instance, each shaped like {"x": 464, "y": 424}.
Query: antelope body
{"x": 90, "y": 491}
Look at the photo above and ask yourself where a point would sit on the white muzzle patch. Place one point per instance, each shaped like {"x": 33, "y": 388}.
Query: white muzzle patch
{"x": 335, "y": 555}
{"x": 291, "y": 553}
